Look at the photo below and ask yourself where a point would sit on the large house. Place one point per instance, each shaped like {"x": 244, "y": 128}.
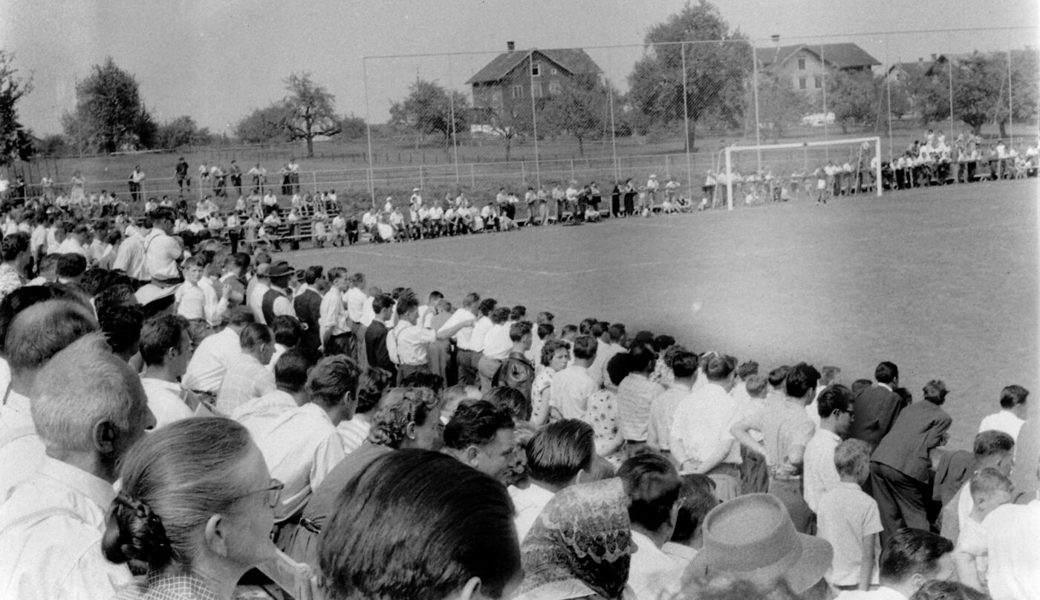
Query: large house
{"x": 805, "y": 65}
{"x": 502, "y": 90}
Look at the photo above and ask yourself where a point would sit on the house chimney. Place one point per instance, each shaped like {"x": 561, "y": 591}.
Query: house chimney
{"x": 510, "y": 46}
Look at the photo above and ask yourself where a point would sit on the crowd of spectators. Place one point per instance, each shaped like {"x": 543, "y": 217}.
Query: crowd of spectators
{"x": 179, "y": 424}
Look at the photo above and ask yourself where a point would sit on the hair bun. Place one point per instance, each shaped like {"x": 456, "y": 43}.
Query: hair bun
{"x": 135, "y": 533}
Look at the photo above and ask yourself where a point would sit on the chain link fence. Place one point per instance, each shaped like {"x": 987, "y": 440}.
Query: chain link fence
{"x": 519, "y": 118}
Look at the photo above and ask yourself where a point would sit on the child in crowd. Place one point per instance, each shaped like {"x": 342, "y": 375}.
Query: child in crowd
{"x": 989, "y": 489}
{"x": 849, "y": 519}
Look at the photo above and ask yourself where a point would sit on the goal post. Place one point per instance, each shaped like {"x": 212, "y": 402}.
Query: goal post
{"x": 862, "y": 149}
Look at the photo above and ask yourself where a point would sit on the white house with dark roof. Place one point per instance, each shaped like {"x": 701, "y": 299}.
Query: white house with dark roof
{"x": 805, "y": 65}
{"x": 504, "y": 87}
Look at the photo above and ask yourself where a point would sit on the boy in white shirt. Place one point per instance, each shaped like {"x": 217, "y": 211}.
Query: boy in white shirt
{"x": 989, "y": 489}
{"x": 1012, "y": 413}
{"x": 849, "y": 519}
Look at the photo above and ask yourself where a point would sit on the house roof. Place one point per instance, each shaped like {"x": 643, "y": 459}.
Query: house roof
{"x": 842, "y": 56}
{"x": 912, "y": 69}
{"x": 572, "y": 60}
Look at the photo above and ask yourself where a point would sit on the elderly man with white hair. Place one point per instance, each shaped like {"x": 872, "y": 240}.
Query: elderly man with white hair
{"x": 88, "y": 415}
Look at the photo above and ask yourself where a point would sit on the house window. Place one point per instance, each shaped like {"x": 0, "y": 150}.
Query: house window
{"x": 801, "y": 83}
{"x": 801, "y": 64}
{"x": 554, "y": 87}
{"x": 818, "y": 82}
{"x": 554, "y": 71}
{"x": 518, "y": 91}
{"x": 536, "y": 69}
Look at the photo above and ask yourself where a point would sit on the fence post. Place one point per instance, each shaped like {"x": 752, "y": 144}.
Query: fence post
{"x": 472, "y": 177}
{"x": 314, "y": 181}
{"x": 523, "y": 172}
{"x": 572, "y": 168}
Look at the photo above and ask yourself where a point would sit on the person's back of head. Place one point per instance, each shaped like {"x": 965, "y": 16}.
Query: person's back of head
{"x": 173, "y": 483}
{"x": 367, "y": 547}
{"x": 718, "y": 367}
{"x": 747, "y": 369}
{"x": 122, "y": 328}
{"x": 41, "y": 330}
{"x": 947, "y": 590}
{"x": 71, "y": 266}
{"x": 253, "y": 336}
{"x": 598, "y": 329}
{"x": 406, "y": 303}
{"x": 859, "y": 385}
{"x": 801, "y": 380}
{"x": 372, "y": 386}
{"x": 835, "y": 398}
{"x": 560, "y": 451}
{"x": 22, "y": 298}
{"x": 886, "y": 373}
{"x": 511, "y": 400}
{"x": 334, "y": 381}
{"x": 989, "y": 489}
{"x": 935, "y": 391}
{"x": 518, "y": 313}
{"x": 757, "y": 387}
{"x": 240, "y": 316}
{"x": 778, "y": 376}
{"x": 485, "y": 306}
{"x": 518, "y": 330}
{"x": 852, "y": 460}
{"x": 1013, "y": 396}
{"x": 475, "y": 423}
{"x": 662, "y": 343}
{"x": 616, "y": 331}
{"x": 994, "y": 448}
{"x": 287, "y": 330}
{"x": 402, "y": 413}
{"x": 291, "y": 369}
{"x": 696, "y": 499}
{"x": 618, "y": 368}
{"x": 93, "y": 403}
{"x": 913, "y": 556}
{"x": 653, "y": 486}
{"x": 829, "y": 375}
{"x": 499, "y": 315}
{"x": 160, "y": 336}
{"x": 585, "y": 347}
{"x": 684, "y": 365}
{"x": 312, "y": 274}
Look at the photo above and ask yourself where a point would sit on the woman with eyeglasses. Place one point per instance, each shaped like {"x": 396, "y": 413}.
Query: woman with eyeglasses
{"x": 195, "y": 511}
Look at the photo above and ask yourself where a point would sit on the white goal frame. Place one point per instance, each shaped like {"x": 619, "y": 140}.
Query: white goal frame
{"x": 875, "y": 140}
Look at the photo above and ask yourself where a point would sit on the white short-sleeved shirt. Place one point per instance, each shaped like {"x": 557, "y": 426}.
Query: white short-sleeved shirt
{"x": 1005, "y": 421}
{"x": 635, "y": 395}
{"x": 1009, "y": 539}
{"x": 653, "y": 574}
{"x": 570, "y": 391}
{"x": 529, "y": 503}
{"x": 209, "y": 362}
{"x": 662, "y": 415}
{"x": 844, "y": 517}
{"x": 50, "y": 537}
{"x": 244, "y": 380}
{"x": 819, "y": 473}
{"x": 299, "y": 444}
{"x": 165, "y": 400}
{"x": 702, "y": 425}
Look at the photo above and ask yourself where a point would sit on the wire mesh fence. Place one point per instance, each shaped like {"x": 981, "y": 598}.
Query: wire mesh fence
{"x": 520, "y": 118}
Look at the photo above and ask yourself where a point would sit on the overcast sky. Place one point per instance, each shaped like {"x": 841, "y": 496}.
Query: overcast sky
{"x": 219, "y": 59}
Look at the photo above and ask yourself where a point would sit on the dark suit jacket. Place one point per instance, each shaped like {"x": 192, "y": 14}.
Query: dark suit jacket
{"x": 375, "y": 347}
{"x": 876, "y": 410}
{"x": 308, "y": 309}
{"x": 917, "y": 430}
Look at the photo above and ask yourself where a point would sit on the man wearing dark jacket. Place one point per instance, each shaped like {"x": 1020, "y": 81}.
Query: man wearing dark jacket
{"x": 375, "y": 336}
{"x": 307, "y": 305}
{"x": 900, "y": 468}
{"x": 877, "y": 407}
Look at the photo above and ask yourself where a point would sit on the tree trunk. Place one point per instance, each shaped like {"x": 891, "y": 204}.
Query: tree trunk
{"x": 1003, "y": 127}
{"x": 310, "y": 145}
{"x": 691, "y": 137}
{"x": 581, "y": 146}
{"x": 509, "y": 144}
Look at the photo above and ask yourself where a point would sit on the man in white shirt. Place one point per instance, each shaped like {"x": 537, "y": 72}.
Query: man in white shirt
{"x": 653, "y": 486}
{"x": 570, "y": 389}
{"x": 406, "y": 342}
{"x": 332, "y": 316}
{"x": 836, "y": 412}
{"x": 990, "y": 449}
{"x": 354, "y": 299}
{"x": 210, "y": 361}
{"x": 196, "y": 299}
{"x": 911, "y": 557}
{"x": 165, "y": 349}
{"x": 663, "y": 407}
{"x": 35, "y": 335}
{"x": 497, "y": 346}
{"x": 257, "y": 288}
{"x": 75, "y": 240}
{"x": 247, "y": 377}
{"x": 295, "y": 425}
{"x": 559, "y": 455}
{"x": 701, "y": 441}
{"x": 161, "y": 250}
{"x": 52, "y": 523}
{"x": 463, "y": 338}
{"x": 615, "y": 336}
{"x": 1012, "y": 413}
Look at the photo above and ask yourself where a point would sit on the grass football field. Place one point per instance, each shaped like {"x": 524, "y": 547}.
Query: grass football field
{"x": 942, "y": 281}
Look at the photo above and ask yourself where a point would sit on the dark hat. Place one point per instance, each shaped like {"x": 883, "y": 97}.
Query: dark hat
{"x": 280, "y": 269}
{"x": 752, "y": 537}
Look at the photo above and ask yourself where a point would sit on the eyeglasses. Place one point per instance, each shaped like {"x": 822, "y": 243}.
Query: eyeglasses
{"x": 273, "y": 491}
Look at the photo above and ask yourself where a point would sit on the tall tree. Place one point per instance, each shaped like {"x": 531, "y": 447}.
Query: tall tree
{"x": 976, "y": 91}
{"x": 264, "y": 125}
{"x": 429, "y": 109}
{"x": 15, "y": 140}
{"x": 1022, "y": 80}
{"x": 578, "y": 109}
{"x": 854, "y": 99}
{"x": 110, "y": 114}
{"x": 310, "y": 110}
{"x": 780, "y": 105}
{"x": 353, "y": 127}
{"x": 717, "y": 59}
{"x": 182, "y": 131}
{"x": 507, "y": 124}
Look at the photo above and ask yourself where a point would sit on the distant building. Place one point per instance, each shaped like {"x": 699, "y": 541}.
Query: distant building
{"x": 805, "y": 65}
{"x": 502, "y": 90}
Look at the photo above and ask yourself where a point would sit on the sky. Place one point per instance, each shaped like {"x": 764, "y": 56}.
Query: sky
{"x": 218, "y": 60}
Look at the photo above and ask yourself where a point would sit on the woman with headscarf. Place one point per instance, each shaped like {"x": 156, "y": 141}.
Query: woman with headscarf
{"x": 580, "y": 546}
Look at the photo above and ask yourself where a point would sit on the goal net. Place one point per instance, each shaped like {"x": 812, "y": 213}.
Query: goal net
{"x": 780, "y": 172}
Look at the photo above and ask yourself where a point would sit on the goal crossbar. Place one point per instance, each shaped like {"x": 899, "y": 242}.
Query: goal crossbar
{"x": 875, "y": 141}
